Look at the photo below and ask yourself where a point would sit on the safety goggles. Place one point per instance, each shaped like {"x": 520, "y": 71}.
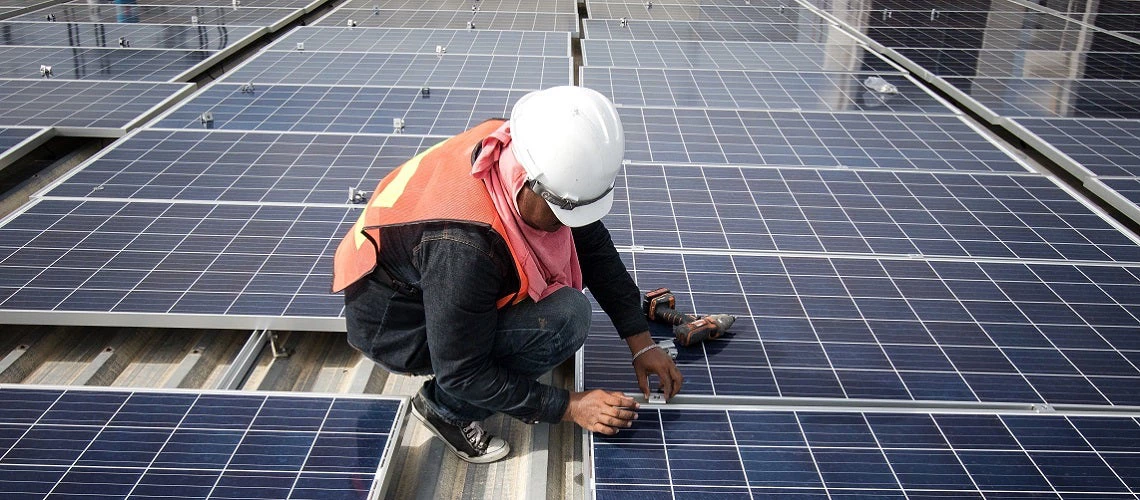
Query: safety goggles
{"x": 559, "y": 201}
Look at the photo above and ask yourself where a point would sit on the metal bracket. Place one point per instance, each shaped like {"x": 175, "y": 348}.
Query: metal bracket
{"x": 279, "y": 351}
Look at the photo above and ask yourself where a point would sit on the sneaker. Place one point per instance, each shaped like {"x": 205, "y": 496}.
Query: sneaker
{"x": 467, "y": 440}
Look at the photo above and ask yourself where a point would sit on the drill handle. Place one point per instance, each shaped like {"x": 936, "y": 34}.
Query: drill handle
{"x": 697, "y": 331}
{"x": 671, "y": 316}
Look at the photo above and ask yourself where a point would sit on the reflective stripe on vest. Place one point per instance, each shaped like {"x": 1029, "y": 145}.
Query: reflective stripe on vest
{"x": 435, "y": 185}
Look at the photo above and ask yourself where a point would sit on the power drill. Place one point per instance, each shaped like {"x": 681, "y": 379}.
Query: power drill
{"x": 689, "y": 329}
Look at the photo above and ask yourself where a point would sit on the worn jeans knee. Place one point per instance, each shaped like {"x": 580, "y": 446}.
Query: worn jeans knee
{"x": 387, "y": 327}
{"x": 534, "y": 337}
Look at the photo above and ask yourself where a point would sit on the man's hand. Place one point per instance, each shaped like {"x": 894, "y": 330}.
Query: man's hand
{"x": 654, "y": 362}
{"x": 605, "y": 412}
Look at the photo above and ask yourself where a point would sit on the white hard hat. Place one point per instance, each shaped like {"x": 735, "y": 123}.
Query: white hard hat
{"x": 571, "y": 144}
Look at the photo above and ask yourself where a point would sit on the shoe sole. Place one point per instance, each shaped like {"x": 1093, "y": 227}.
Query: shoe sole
{"x": 481, "y": 459}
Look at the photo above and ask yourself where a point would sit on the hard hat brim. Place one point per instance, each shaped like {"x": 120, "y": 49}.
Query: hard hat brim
{"x": 585, "y": 214}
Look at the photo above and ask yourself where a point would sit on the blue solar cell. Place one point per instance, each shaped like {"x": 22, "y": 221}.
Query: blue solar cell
{"x": 452, "y": 19}
{"x": 102, "y": 63}
{"x": 198, "y": 260}
{"x": 82, "y": 104}
{"x": 702, "y": 31}
{"x": 731, "y": 55}
{"x": 405, "y": 70}
{"x": 919, "y": 455}
{"x": 290, "y": 108}
{"x": 139, "y": 36}
{"x": 222, "y": 446}
{"x": 854, "y": 140}
{"x": 722, "y": 12}
{"x": 803, "y": 332}
{"x": 1023, "y": 97}
{"x": 741, "y": 208}
{"x": 1097, "y": 147}
{"x": 107, "y": 13}
{"x": 757, "y": 90}
{"x": 341, "y": 40}
{"x": 1001, "y": 63}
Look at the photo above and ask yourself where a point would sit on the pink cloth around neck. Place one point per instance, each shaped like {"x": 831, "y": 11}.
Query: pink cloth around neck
{"x": 548, "y": 258}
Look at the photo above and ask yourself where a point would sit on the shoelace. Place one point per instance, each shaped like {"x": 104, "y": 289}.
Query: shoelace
{"x": 474, "y": 434}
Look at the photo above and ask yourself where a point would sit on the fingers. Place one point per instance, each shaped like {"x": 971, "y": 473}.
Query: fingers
{"x": 621, "y": 414}
{"x": 643, "y": 381}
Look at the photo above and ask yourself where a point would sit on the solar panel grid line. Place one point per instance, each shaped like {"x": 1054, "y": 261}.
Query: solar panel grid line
{"x": 725, "y": 31}
{"x": 1005, "y": 63}
{"x": 349, "y": 440}
{"x": 452, "y": 19}
{"x": 851, "y": 453}
{"x": 85, "y": 108}
{"x": 920, "y": 142}
{"x": 15, "y": 142}
{"x": 733, "y": 55}
{"x": 272, "y": 18}
{"x": 1057, "y": 98}
{"x": 727, "y": 13}
{"x": 194, "y": 261}
{"x": 961, "y": 359}
{"x": 201, "y": 4}
{"x": 547, "y": 6}
{"x": 760, "y": 90}
{"x": 290, "y": 167}
{"x": 499, "y": 6}
{"x": 105, "y": 64}
{"x": 339, "y": 109}
{"x": 1084, "y": 146}
{"x": 468, "y": 71}
{"x": 1119, "y": 192}
{"x": 49, "y": 34}
{"x": 343, "y": 40}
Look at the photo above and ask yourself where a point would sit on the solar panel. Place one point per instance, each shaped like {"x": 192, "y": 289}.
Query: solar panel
{"x": 240, "y": 167}
{"x": 16, "y": 141}
{"x": 549, "y": 6}
{"x": 1024, "y": 18}
{"x": 684, "y": 88}
{"x": 975, "y": 38}
{"x": 663, "y": 135}
{"x": 731, "y": 55}
{"x": 103, "y": 64}
{"x": 155, "y": 14}
{"x": 706, "y": 453}
{"x": 343, "y": 40}
{"x": 245, "y": 4}
{"x": 1010, "y": 63}
{"x": 1052, "y": 97}
{"x": 1086, "y": 146}
{"x": 704, "y": 31}
{"x": 860, "y": 212}
{"x": 291, "y": 108}
{"x": 144, "y": 264}
{"x": 85, "y": 107}
{"x": 405, "y": 70}
{"x": 48, "y": 34}
{"x": 452, "y": 19}
{"x": 680, "y": 12}
{"x": 1123, "y": 193}
{"x": 894, "y": 329}
{"x": 22, "y": 3}
{"x": 116, "y": 443}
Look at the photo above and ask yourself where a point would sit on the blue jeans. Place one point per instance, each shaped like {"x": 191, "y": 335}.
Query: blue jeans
{"x": 530, "y": 338}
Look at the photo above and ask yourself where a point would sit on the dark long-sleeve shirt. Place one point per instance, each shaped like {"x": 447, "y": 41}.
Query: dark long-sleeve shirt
{"x": 462, "y": 270}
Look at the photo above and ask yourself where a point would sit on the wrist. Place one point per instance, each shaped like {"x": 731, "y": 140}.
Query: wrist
{"x": 639, "y": 341}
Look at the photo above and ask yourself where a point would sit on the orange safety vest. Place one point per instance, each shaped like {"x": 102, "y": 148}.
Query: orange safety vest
{"x": 435, "y": 185}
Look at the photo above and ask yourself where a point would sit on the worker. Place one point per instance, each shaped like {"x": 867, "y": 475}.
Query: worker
{"x": 469, "y": 261}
